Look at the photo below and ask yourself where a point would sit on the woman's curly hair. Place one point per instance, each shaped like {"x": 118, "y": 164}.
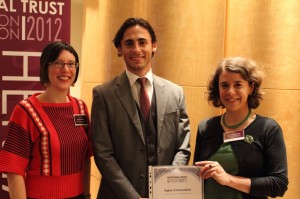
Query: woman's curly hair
{"x": 249, "y": 71}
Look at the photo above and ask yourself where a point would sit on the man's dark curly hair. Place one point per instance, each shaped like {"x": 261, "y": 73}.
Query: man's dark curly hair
{"x": 132, "y": 22}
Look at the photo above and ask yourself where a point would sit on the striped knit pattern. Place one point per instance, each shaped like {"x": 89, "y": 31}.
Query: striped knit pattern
{"x": 18, "y": 141}
{"x": 72, "y": 139}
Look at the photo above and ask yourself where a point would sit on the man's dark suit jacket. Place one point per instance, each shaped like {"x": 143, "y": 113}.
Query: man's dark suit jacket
{"x": 118, "y": 138}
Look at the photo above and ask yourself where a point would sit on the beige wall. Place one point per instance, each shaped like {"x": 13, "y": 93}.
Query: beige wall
{"x": 192, "y": 37}
{"x": 76, "y": 39}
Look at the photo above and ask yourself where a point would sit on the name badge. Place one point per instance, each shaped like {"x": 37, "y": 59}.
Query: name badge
{"x": 80, "y": 119}
{"x": 231, "y": 136}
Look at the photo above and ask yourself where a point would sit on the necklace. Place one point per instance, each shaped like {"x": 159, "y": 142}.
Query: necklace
{"x": 236, "y": 125}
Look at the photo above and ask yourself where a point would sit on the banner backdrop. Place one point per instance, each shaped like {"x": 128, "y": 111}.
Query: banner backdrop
{"x": 26, "y": 27}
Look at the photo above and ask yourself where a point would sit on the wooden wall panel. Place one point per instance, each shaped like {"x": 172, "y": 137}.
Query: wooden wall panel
{"x": 95, "y": 180}
{"x": 182, "y": 29}
{"x": 185, "y": 55}
{"x": 198, "y": 109}
{"x": 268, "y": 32}
{"x": 86, "y": 93}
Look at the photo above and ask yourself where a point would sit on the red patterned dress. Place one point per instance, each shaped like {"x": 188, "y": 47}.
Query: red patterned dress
{"x": 47, "y": 145}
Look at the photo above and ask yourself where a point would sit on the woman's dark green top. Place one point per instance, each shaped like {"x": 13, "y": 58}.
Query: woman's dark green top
{"x": 212, "y": 189}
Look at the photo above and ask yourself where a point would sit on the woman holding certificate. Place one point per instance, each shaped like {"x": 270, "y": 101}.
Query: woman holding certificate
{"x": 242, "y": 154}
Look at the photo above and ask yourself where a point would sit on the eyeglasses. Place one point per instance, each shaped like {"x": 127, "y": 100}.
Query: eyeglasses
{"x": 60, "y": 64}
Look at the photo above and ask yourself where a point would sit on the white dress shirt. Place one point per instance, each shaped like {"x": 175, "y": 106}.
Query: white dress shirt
{"x": 135, "y": 86}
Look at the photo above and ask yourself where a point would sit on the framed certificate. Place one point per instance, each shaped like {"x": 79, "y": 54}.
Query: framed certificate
{"x": 175, "y": 182}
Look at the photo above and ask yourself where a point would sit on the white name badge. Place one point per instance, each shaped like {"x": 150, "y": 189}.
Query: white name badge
{"x": 231, "y": 136}
{"x": 80, "y": 119}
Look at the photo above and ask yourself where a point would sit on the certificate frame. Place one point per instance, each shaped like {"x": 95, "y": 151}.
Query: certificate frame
{"x": 175, "y": 182}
